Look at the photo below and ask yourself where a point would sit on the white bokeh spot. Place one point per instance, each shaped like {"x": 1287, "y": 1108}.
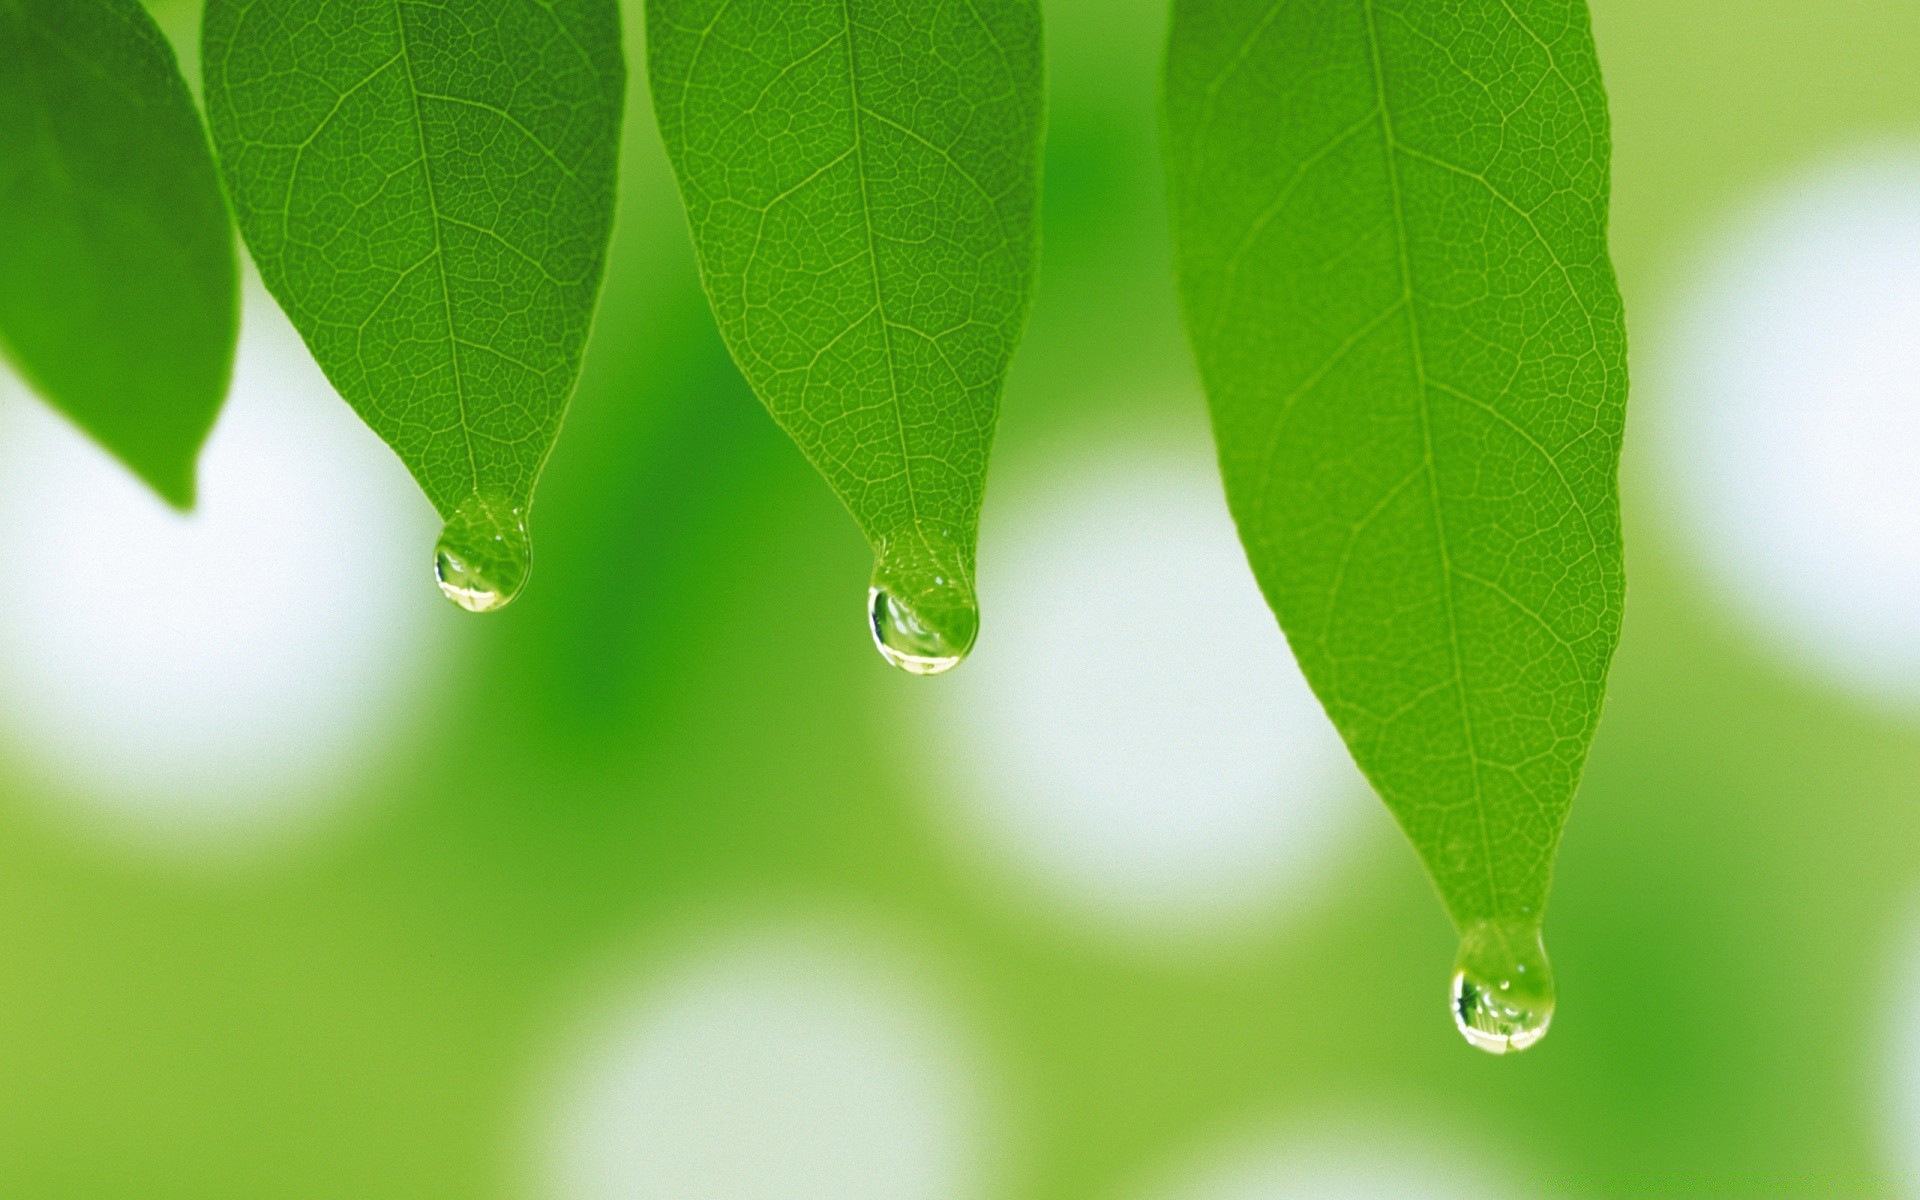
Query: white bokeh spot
{"x": 213, "y": 677}
{"x": 788, "y": 1065}
{"x": 1362, "y": 1163}
{"x": 1132, "y": 737}
{"x": 1792, "y": 422}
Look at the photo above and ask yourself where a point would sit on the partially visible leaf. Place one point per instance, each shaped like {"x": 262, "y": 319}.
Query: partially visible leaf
{"x": 862, "y": 179}
{"x": 1391, "y": 220}
{"x": 428, "y": 188}
{"x": 117, "y": 287}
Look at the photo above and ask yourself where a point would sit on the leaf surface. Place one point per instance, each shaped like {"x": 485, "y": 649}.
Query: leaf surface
{"x": 1391, "y": 225}
{"x": 862, "y": 178}
{"x": 428, "y": 189}
{"x": 117, "y": 287}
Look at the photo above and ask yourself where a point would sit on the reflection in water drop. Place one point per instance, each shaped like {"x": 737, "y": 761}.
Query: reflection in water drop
{"x": 921, "y": 605}
{"x": 484, "y": 554}
{"x": 1502, "y": 987}
{"x": 912, "y": 642}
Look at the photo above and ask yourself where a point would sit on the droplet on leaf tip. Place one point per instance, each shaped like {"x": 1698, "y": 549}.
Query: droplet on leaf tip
{"x": 1502, "y": 995}
{"x": 484, "y": 554}
{"x": 923, "y": 619}
{"x": 909, "y": 641}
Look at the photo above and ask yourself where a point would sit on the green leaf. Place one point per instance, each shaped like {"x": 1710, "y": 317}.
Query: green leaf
{"x": 862, "y": 180}
{"x": 1391, "y": 220}
{"x": 428, "y": 189}
{"x": 117, "y": 288}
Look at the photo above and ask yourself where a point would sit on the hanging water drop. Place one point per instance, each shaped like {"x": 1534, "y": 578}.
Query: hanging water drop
{"x": 1502, "y": 986}
{"x": 484, "y": 553}
{"x": 912, "y": 642}
{"x": 921, "y": 611}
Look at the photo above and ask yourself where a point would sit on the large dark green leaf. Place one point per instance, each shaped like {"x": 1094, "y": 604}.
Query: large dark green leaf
{"x": 428, "y": 188}
{"x": 117, "y": 297}
{"x": 1391, "y": 220}
{"x": 861, "y": 177}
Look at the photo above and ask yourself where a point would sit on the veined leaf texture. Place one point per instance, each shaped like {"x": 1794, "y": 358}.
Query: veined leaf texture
{"x": 862, "y": 180}
{"x": 428, "y": 189}
{"x": 1391, "y": 221}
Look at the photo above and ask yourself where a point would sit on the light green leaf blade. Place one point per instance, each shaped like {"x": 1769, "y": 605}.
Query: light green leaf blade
{"x": 862, "y": 182}
{"x": 117, "y": 288}
{"x": 1391, "y": 222}
{"x": 428, "y": 189}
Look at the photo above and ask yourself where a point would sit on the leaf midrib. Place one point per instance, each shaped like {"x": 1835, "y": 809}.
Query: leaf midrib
{"x": 873, "y": 261}
{"x": 1426, "y": 430}
{"x": 439, "y": 245}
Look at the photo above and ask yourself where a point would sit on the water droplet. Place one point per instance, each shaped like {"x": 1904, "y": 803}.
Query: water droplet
{"x": 484, "y": 553}
{"x": 1502, "y": 986}
{"x": 923, "y": 616}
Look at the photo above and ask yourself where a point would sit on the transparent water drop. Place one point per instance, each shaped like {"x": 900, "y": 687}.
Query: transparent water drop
{"x": 484, "y": 553}
{"x": 920, "y": 608}
{"x": 1502, "y": 986}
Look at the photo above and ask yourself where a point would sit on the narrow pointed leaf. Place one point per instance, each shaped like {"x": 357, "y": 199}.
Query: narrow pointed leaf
{"x": 1391, "y": 222}
{"x": 861, "y": 178}
{"x": 428, "y": 189}
{"x": 117, "y": 287}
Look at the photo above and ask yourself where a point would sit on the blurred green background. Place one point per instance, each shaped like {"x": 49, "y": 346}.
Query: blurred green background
{"x": 653, "y": 886}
